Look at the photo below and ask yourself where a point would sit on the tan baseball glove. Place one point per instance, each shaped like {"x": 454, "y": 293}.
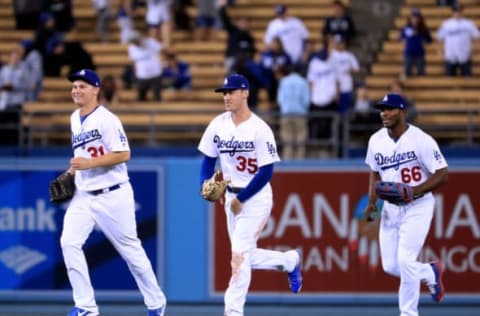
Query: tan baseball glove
{"x": 214, "y": 188}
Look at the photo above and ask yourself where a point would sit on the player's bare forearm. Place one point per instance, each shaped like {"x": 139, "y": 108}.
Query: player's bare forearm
{"x": 372, "y": 194}
{"x": 371, "y": 213}
{"x": 107, "y": 160}
{"x": 435, "y": 181}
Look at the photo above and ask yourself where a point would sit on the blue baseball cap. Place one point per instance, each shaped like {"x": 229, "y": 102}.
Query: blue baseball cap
{"x": 87, "y": 75}
{"x": 280, "y": 9}
{"x": 392, "y": 100}
{"x": 234, "y": 82}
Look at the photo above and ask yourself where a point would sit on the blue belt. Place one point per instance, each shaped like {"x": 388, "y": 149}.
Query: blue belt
{"x": 105, "y": 190}
{"x": 234, "y": 189}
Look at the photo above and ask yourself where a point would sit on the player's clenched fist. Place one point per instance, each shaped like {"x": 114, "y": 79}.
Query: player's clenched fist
{"x": 370, "y": 213}
{"x": 80, "y": 163}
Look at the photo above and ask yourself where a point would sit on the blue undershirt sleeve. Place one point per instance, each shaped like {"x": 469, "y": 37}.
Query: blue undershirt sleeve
{"x": 263, "y": 176}
{"x": 207, "y": 168}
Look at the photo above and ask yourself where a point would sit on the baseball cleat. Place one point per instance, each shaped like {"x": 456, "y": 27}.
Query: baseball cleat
{"x": 80, "y": 312}
{"x": 437, "y": 290}
{"x": 156, "y": 312}
{"x": 295, "y": 277}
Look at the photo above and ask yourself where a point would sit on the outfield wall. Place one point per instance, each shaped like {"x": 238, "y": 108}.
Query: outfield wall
{"x": 317, "y": 206}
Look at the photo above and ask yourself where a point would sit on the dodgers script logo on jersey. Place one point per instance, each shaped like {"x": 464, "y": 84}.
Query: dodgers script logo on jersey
{"x": 83, "y": 138}
{"x": 394, "y": 160}
{"x": 232, "y": 145}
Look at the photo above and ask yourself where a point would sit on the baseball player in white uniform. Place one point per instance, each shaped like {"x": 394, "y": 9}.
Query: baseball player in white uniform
{"x": 246, "y": 147}
{"x": 401, "y": 152}
{"x": 103, "y": 199}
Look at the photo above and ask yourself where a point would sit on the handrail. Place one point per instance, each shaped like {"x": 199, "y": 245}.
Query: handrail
{"x": 342, "y": 125}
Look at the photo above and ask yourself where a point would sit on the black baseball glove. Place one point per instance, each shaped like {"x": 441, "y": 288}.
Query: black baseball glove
{"x": 62, "y": 188}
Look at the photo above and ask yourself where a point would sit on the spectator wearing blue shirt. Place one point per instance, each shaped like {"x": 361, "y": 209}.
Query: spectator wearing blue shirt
{"x": 271, "y": 60}
{"x": 176, "y": 73}
{"x": 294, "y": 101}
{"x": 415, "y": 34}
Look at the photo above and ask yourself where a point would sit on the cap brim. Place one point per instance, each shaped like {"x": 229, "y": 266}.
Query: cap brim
{"x": 223, "y": 89}
{"x": 383, "y": 105}
{"x": 72, "y": 78}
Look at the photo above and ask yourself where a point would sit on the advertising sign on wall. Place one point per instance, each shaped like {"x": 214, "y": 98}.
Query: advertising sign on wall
{"x": 30, "y": 228}
{"x": 320, "y": 213}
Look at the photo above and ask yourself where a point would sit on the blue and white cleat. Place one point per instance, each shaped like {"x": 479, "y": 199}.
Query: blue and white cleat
{"x": 437, "y": 290}
{"x": 295, "y": 277}
{"x": 156, "y": 312}
{"x": 80, "y": 312}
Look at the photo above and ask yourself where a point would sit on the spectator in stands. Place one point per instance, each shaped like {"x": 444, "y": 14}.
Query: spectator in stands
{"x": 206, "y": 20}
{"x": 34, "y": 63}
{"x": 14, "y": 81}
{"x": 102, "y": 9}
{"x": 291, "y": 31}
{"x": 13, "y": 89}
{"x": 396, "y": 86}
{"x": 62, "y": 12}
{"x": 125, "y": 21}
{"x": 322, "y": 78}
{"x": 183, "y": 21}
{"x": 239, "y": 36}
{"x": 176, "y": 73}
{"x": 246, "y": 66}
{"x": 145, "y": 55}
{"x": 363, "y": 110}
{"x": 271, "y": 60}
{"x": 109, "y": 91}
{"x": 339, "y": 23}
{"x": 49, "y": 41}
{"x": 457, "y": 34}
{"x": 346, "y": 65}
{"x": 159, "y": 20}
{"x": 447, "y": 2}
{"x": 27, "y": 13}
{"x": 294, "y": 101}
{"x": 415, "y": 34}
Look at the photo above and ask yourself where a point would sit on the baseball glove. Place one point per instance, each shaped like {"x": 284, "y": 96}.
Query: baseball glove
{"x": 62, "y": 188}
{"x": 394, "y": 192}
{"x": 214, "y": 188}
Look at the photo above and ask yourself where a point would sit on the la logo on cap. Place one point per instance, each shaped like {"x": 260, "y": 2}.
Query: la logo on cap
{"x": 385, "y": 98}
{"x": 225, "y": 81}
{"x": 82, "y": 72}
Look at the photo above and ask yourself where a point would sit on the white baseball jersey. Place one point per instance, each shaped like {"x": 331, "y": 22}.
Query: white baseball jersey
{"x": 242, "y": 149}
{"x": 292, "y": 32}
{"x": 457, "y": 35}
{"x": 101, "y": 132}
{"x": 323, "y": 78}
{"x": 411, "y": 159}
{"x": 146, "y": 58}
{"x": 158, "y": 11}
{"x": 344, "y": 62}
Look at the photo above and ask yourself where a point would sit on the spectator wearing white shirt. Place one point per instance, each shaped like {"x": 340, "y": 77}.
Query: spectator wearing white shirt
{"x": 322, "y": 78}
{"x": 291, "y": 31}
{"x": 159, "y": 20}
{"x": 346, "y": 65}
{"x": 145, "y": 54}
{"x": 13, "y": 90}
{"x": 457, "y": 33}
